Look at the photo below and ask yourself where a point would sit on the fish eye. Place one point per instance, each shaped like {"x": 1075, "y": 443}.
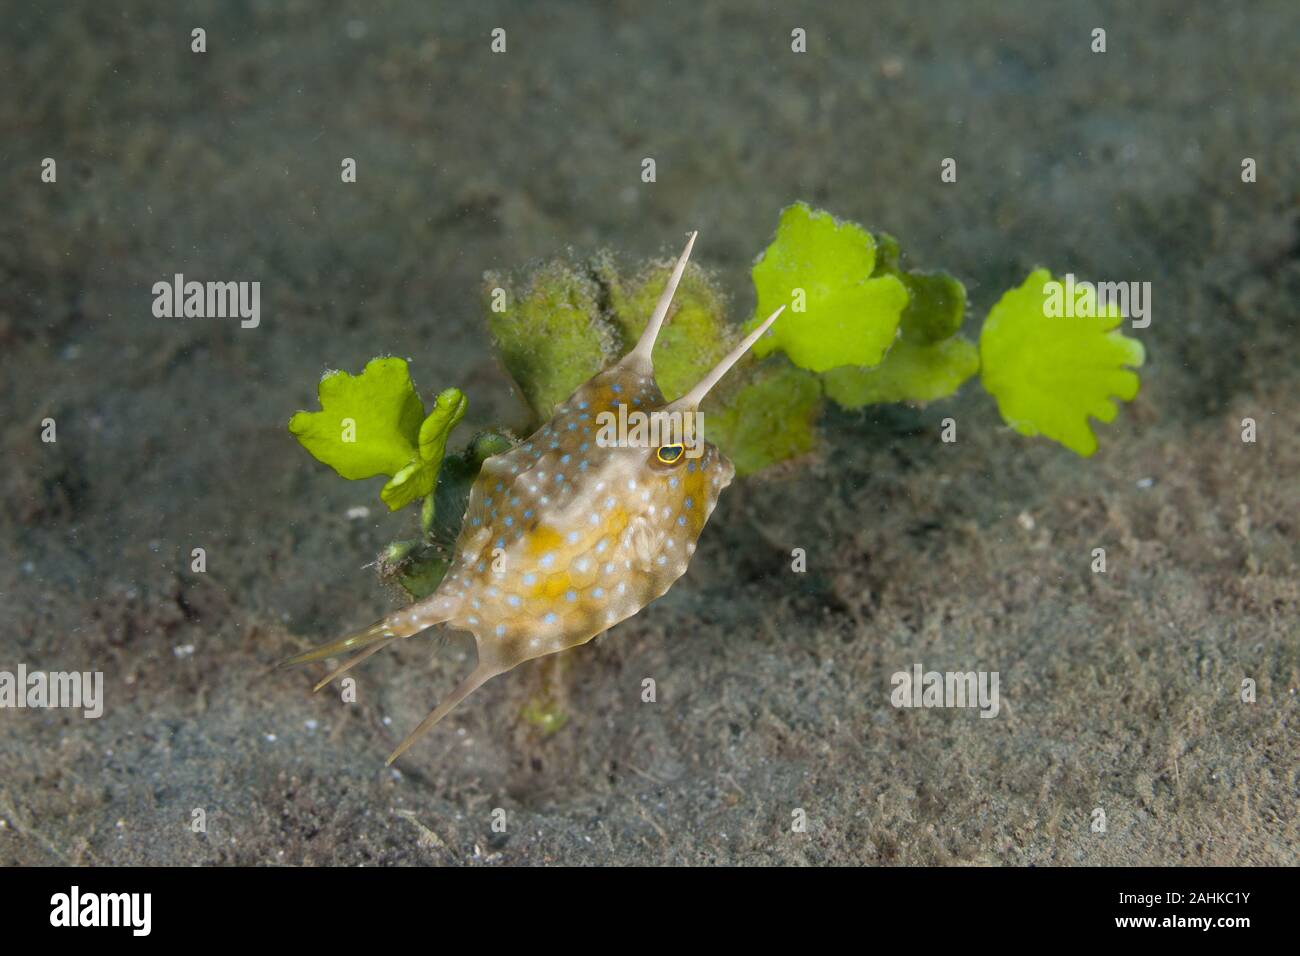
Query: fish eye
{"x": 670, "y": 454}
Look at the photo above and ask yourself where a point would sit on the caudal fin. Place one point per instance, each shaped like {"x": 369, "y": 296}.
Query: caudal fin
{"x": 376, "y": 637}
{"x": 355, "y": 641}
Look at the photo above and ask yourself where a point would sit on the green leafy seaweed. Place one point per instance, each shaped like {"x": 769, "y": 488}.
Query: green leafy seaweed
{"x": 929, "y": 361}
{"x": 936, "y": 306}
{"x": 552, "y": 337}
{"x": 911, "y": 372}
{"x": 1050, "y": 374}
{"x": 418, "y": 478}
{"x": 367, "y": 424}
{"x": 374, "y": 424}
{"x": 767, "y": 418}
{"x": 840, "y": 313}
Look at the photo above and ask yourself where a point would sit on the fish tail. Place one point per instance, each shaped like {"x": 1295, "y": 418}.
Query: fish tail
{"x": 367, "y": 641}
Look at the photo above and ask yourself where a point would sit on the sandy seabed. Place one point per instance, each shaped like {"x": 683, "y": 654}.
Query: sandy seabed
{"x": 1119, "y": 691}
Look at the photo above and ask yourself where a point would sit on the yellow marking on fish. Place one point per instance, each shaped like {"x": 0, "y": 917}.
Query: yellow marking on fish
{"x": 555, "y": 585}
{"x": 542, "y": 540}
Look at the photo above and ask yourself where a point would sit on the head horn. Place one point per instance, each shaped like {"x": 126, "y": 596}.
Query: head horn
{"x": 645, "y": 346}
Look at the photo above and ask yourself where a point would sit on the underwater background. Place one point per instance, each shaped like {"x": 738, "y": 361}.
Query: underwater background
{"x": 1119, "y": 691}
